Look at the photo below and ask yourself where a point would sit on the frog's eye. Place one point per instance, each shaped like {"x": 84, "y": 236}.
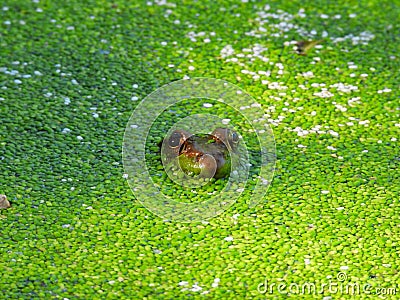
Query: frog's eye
{"x": 234, "y": 136}
{"x": 175, "y": 139}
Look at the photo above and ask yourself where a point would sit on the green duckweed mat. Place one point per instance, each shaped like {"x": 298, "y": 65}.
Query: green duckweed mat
{"x": 72, "y": 72}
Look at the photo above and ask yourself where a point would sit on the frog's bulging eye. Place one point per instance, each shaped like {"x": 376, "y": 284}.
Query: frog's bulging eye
{"x": 174, "y": 140}
{"x": 235, "y": 137}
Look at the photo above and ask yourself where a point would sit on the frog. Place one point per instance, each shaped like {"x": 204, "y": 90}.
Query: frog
{"x": 207, "y": 156}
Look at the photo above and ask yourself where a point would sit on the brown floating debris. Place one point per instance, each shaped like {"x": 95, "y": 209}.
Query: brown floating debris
{"x": 302, "y": 47}
{"x": 4, "y": 202}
